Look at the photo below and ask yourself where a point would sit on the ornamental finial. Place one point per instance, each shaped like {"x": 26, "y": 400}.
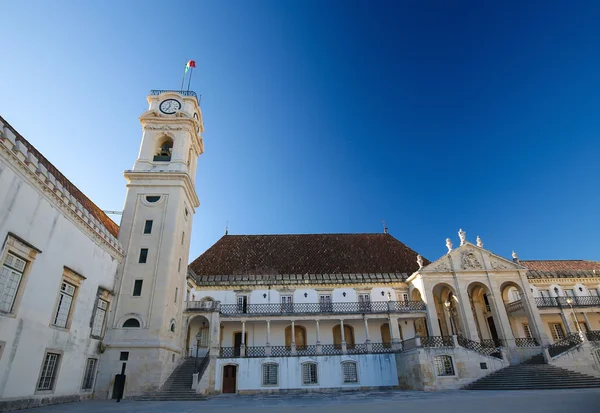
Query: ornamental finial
{"x": 479, "y": 242}
{"x": 463, "y": 236}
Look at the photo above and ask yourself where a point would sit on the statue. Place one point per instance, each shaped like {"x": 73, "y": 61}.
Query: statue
{"x": 420, "y": 261}
{"x": 515, "y": 256}
{"x": 463, "y": 236}
{"x": 449, "y": 244}
{"x": 479, "y": 242}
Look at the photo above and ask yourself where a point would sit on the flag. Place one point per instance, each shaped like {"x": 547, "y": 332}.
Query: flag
{"x": 189, "y": 65}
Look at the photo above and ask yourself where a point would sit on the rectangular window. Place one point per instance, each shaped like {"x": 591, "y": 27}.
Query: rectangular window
{"x": 88, "y": 377}
{"x": 49, "y": 369}
{"x": 364, "y": 302}
{"x": 10, "y": 279}
{"x": 143, "y": 255}
{"x": 309, "y": 373}
{"x": 63, "y": 307}
{"x": 176, "y": 293}
{"x": 242, "y": 303}
{"x": 124, "y": 356}
{"x": 556, "y": 329}
{"x": 443, "y": 366}
{"x": 527, "y": 331}
{"x": 179, "y": 266}
{"x": 98, "y": 325}
{"x": 325, "y": 303}
{"x": 148, "y": 227}
{"x": 182, "y": 237}
{"x": 137, "y": 288}
{"x": 405, "y": 297}
{"x": 287, "y": 303}
{"x": 269, "y": 374}
{"x": 350, "y": 373}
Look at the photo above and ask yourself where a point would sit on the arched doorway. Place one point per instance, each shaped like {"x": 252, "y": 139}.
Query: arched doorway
{"x": 386, "y": 334}
{"x": 348, "y": 336}
{"x": 229, "y": 378}
{"x": 484, "y": 313}
{"x": 299, "y": 339}
{"x": 524, "y": 329}
{"x": 448, "y": 309}
{"x": 198, "y": 325}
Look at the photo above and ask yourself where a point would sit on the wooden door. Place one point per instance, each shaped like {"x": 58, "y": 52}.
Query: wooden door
{"x": 229, "y": 379}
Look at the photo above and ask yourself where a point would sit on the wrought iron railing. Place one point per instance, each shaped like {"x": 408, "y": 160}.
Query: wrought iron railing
{"x": 357, "y": 349}
{"x": 255, "y": 351}
{"x": 322, "y": 308}
{"x": 306, "y": 350}
{"x": 201, "y": 305}
{"x": 593, "y": 335}
{"x": 382, "y": 348}
{"x": 526, "y": 342}
{"x": 229, "y": 352}
{"x": 478, "y": 347}
{"x": 331, "y": 349}
{"x": 567, "y": 343}
{"x": 181, "y": 92}
{"x": 514, "y": 306}
{"x": 437, "y": 341}
{"x": 492, "y": 343}
{"x": 580, "y": 301}
{"x": 203, "y": 364}
{"x": 281, "y": 351}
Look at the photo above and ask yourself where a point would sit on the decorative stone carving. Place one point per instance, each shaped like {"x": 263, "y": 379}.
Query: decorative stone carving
{"x": 497, "y": 265}
{"x": 443, "y": 266}
{"x": 420, "y": 261}
{"x": 449, "y": 244}
{"x": 463, "y": 236}
{"x": 479, "y": 242}
{"x": 469, "y": 260}
{"x": 515, "y": 256}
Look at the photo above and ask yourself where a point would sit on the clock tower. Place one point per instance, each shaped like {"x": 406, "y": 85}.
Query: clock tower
{"x": 145, "y": 323}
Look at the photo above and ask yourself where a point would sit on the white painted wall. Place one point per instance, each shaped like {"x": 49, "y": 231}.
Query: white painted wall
{"x": 374, "y": 370}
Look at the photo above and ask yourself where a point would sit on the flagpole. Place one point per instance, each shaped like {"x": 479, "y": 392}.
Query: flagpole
{"x": 183, "y": 78}
{"x": 190, "y": 79}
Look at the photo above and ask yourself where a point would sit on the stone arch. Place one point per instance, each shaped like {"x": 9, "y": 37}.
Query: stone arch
{"x": 507, "y": 291}
{"x": 299, "y": 333}
{"x": 198, "y": 324}
{"x": 130, "y": 316}
{"x": 348, "y": 335}
{"x": 486, "y": 312}
{"x": 447, "y": 306}
{"x": 164, "y": 148}
{"x": 415, "y": 294}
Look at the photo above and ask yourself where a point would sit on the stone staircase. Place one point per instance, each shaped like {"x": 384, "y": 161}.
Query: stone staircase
{"x": 178, "y": 386}
{"x": 534, "y": 375}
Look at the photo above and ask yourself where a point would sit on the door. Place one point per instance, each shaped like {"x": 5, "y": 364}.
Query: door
{"x": 493, "y": 331}
{"x": 364, "y": 302}
{"x": 237, "y": 343}
{"x": 229, "y": 379}
{"x": 287, "y": 304}
{"x": 325, "y": 303}
{"x": 242, "y": 304}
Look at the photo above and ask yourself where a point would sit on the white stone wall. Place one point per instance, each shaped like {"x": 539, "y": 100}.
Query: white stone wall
{"x": 39, "y": 218}
{"x": 374, "y": 370}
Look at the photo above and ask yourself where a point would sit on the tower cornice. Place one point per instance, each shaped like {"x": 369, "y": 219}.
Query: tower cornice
{"x": 167, "y": 178}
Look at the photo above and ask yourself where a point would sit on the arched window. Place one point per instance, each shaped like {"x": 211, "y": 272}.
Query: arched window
{"x": 349, "y": 372}
{"x": 444, "y": 366}
{"x": 131, "y": 323}
{"x": 309, "y": 373}
{"x": 172, "y": 327}
{"x": 270, "y": 374}
{"x": 153, "y": 198}
{"x": 386, "y": 337}
{"x": 300, "y": 333}
{"x": 348, "y": 336}
{"x": 165, "y": 148}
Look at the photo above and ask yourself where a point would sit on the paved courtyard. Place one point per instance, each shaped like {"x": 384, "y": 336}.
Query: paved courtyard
{"x": 532, "y": 401}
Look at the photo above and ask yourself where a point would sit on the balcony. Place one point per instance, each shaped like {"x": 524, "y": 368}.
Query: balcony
{"x": 551, "y": 302}
{"x": 377, "y": 307}
{"x": 181, "y": 92}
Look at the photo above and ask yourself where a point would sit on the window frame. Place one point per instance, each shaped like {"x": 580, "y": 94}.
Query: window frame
{"x": 92, "y": 376}
{"x": 262, "y": 376}
{"x": 527, "y": 330}
{"x": 98, "y": 310}
{"x": 63, "y": 292}
{"x": 316, "y": 367}
{"x": 355, "y": 365}
{"x": 439, "y": 361}
{"x": 55, "y": 372}
{"x": 143, "y": 258}
{"x": 148, "y": 228}
{"x": 131, "y": 318}
{"x": 10, "y": 271}
{"x": 133, "y": 294}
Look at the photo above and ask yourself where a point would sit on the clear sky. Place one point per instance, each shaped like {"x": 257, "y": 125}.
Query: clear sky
{"x": 330, "y": 116}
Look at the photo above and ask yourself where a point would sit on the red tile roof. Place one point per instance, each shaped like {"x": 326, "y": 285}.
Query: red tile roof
{"x": 314, "y": 257}
{"x": 561, "y": 265}
{"x": 92, "y": 208}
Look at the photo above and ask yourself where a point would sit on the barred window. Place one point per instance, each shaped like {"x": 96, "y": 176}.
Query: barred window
{"x": 48, "y": 375}
{"x": 90, "y": 370}
{"x": 269, "y": 374}
{"x": 10, "y": 278}
{"x": 443, "y": 366}
{"x": 309, "y": 373}
{"x": 98, "y": 326}
{"x": 63, "y": 307}
{"x": 350, "y": 372}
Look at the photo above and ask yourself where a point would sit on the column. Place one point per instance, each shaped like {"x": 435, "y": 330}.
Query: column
{"x": 395, "y": 333}
{"x": 243, "y": 345}
{"x": 565, "y": 320}
{"x": 587, "y": 321}
{"x": 433, "y": 325}
{"x": 503, "y": 321}
{"x": 293, "y": 338}
{"x": 344, "y": 348}
{"x": 533, "y": 315}
{"x": 318, "y": 349}
{"x": 215, "y": 334}
{"x": 368, "y": 341}
{"x": 268, "y": 345}
{"x": 466, "y": 314}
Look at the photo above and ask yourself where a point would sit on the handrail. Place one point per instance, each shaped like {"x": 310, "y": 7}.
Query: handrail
{"x": 514, "y": 306}
{"x": 593, "y": 335}
{"x": 480, "y": 348}
{"x": 576, "y": 301}
{"x": 565, "y": 344}
{"x": 203, "y": 364}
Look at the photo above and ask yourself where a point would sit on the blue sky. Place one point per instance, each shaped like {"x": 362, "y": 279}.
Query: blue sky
{"x": 330, "y": 116}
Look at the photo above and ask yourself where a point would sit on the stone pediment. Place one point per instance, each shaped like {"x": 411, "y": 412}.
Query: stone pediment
{"x": 469, "y": 257}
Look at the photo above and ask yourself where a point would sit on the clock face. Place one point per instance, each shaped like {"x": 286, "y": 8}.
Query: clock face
{"x": 169, "y": 106}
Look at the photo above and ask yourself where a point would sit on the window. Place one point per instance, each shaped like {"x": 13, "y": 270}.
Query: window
{"x": 172, "y": 328}
{"x": 269, "y": 374}
{"x": 49, "y": 370}
{"x": 88, "y": 377}
{"x": 98, "y": 324}
{"x": 10, "y": 279}
{"x": 182, "y": 237}
{"x": 131, "y": 323}
{"x": 287, "y": 303}
{"x": 172, "y": 358}
{"x": 124, "y": 356}
{"x": 544, "y": 293}
{"x": 556, "y": 329}
{"x": 63, "y": 307}
{"x": 309, "y": 373}
{"x": 404, "y": 297}
{"x": 242, "y": 303}
{"x": 570, "y": 293}
{"x": 349, "y": 372}
{"x": 364, "y": 302}
{"x": 443, "y": 366}
{"x": 186, "y": 212}
{"x": 325, "y": 303}
{"x": 179, "y": 266}
{"x": 527, "y": 331}
{"x": 143, "y": 255}
{"x": 163, "y": 154}
{"x": 137, "y": 288}
{"x": 148, "y": 227}
{"x": 152, "y": 198}
{"x": 176, "y": 294}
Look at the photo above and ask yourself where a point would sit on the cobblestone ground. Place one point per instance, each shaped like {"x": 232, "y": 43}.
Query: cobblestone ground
{"x": 533, "y": 401}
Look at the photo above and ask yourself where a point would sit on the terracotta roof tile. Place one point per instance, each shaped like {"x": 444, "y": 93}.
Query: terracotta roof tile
{"x": 92, "y": 208}
{"x": 561, "y": 265}
{"x": 314, "y": 257}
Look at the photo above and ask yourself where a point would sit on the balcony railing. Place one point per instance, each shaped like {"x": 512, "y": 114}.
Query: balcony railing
{"x": 526, "y": 342}
{"x": 593, "y": 335}
{"x": 580, "y": 301}
{"x": 514, "y": 306}
{"x": 202, "y": 305}
{"x": 567, "y": 343}
{"x": 322, "y": 308}
{"x": 181, "y": 92}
